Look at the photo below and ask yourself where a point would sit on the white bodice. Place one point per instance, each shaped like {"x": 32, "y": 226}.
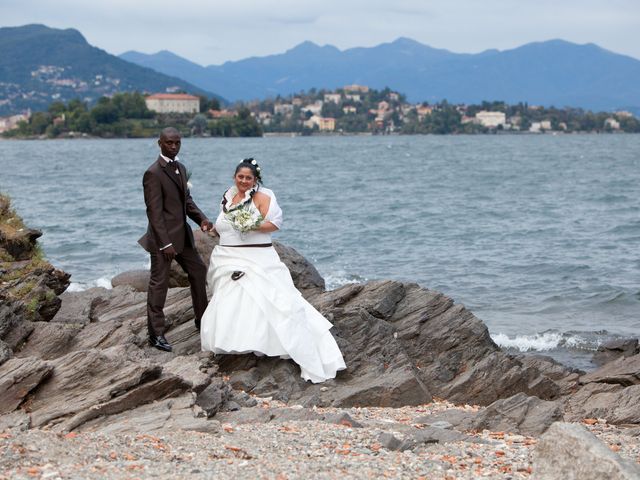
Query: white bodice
{"x": 230, "y": 236}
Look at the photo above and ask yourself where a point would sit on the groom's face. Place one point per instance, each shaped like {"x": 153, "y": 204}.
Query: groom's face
{"x": 169, "y": 144}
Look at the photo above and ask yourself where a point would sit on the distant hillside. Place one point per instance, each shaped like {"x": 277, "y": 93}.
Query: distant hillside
{"x": 39, "y": 65}
{"x": 554, "y": 72}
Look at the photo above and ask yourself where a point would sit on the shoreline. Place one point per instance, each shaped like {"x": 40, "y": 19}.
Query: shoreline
{"x": 337, "y": 134}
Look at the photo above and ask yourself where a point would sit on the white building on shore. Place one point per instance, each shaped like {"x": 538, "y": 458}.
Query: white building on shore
{"x": 173, "y": 103}
{"x": 491, "y": 119}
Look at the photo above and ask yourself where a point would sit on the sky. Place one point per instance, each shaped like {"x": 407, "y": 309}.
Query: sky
{"x": 213, "y": 32}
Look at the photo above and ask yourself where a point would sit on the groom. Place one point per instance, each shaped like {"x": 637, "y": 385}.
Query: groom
{"x": 169, "y": 236}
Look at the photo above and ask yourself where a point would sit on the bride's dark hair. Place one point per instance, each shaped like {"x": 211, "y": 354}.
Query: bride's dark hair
{"x": 252, "y": 165}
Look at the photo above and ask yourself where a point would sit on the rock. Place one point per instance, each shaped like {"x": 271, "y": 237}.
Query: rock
{"x": 518, "y": 414}
{"x": 612, "y": 402}
{"x": 624, "y": 371}
{"x": 448, "y": 348}
{"x": 305, "y": 276}
{"x": 86, "y": 380}
{"x": 18, "y": 377}
{"x": 49, "y": 340}
{"x": 266, "y": 415}
{"x": 390, "y": 442}
{"x": 78, "y": 307}
{"x": 458, "y": 419}
{"x": 569, "y": 451}
{"x": 162, "y": 416}
{"x": 397, "y": 339}
{"x": 441, "y": 424}
{"x": 439, "y": 435}
{"x": 342, "y": 419}
{"x": 18, "y": 420}
{"x": 136, "y": 279}
{"x": 212, "y": 398}
{"x": 5, "y": 352}
{"x": 188, "y": 368}
{"x": 14, "y": 328}
{"x": 166, "y": 386}
{"x": 402, "y": 344}
{"x": 564, "y": 377}
{"x": 243, "y": 399}
{"x": 21, "y": 244}
{"x": 231, "y": 406}
{"x": 624, "y": 347}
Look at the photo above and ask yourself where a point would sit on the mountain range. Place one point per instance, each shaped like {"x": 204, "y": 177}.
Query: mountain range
{"x": 553, "y": 72}
{"x": 39, "y": 65}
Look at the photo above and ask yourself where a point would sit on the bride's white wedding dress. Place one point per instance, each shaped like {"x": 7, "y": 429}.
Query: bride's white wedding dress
{"x": 262, "y": 311}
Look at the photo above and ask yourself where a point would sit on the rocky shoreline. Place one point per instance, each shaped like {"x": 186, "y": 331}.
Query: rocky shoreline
{"x": 425, "y": 387}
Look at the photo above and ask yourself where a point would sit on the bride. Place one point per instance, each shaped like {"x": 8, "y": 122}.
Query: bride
{"x": 255, "y": 306}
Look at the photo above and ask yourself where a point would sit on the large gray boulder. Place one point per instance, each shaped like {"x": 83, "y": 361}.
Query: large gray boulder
{"x": 518, "y": 414}
{"x": 614, "y": 403}
{"x": 18, "y": 377}
{"x": 614, "y": 349}
{"x": 624, "y": 371}
{"x": 402, "y": 343}
{"x": 570, "y": 452}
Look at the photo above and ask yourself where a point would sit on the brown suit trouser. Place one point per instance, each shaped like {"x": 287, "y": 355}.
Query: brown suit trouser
{"x": 196, "y": 271}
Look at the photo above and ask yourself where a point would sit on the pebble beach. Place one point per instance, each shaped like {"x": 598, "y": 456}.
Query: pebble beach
{"x": 359, "y": 446}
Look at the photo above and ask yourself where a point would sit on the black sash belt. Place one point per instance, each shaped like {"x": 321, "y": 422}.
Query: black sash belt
{"x": 250, "y": 245}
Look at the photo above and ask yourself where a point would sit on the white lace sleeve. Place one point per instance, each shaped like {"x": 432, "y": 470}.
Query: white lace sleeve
{"x": 274, "y": 215}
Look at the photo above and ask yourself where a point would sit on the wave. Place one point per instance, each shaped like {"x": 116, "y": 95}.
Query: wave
{"x": 340, "y": 278}
{"x": 544, "y": 342}
{"x": 103, "y": 282}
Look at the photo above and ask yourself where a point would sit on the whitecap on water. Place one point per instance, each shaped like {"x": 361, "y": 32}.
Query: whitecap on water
{"x": 103, "y": 282}
{"x": 340, "y": 278}
{"x": 543, "y": 342}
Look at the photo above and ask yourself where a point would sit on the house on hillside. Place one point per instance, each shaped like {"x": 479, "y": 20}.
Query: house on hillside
{"x": 324, "y": 124}
{"x": 11, "y": 122}
{"x": 216, "y": 114}
{"x": 356, "y": 89}
{"x": 333, "y": 97}
{"x": 173, "y": 103}
{"x": 283, "y": 109}
{"x": 313, "y": 108}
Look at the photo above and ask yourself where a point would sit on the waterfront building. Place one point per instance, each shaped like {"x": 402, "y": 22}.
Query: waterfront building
{"x": 173, "y": 103}
{"x": 491, "y": 119}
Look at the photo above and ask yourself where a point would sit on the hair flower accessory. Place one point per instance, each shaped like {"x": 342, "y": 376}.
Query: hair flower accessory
{"x": 253, "y": 162}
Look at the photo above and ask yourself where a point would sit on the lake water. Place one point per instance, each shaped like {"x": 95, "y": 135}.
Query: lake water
{"x": 538, "y": 235}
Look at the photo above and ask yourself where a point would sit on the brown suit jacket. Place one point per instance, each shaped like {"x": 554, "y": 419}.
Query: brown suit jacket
{"x": 169, "y": 203}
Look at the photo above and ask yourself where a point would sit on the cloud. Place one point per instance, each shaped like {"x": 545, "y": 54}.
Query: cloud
{"x": 214, "y": 31}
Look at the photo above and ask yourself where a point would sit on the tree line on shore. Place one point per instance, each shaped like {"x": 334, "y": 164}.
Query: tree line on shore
{"x": 125, "y": 115}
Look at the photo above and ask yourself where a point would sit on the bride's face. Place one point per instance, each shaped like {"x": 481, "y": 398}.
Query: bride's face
{"x": 244, "y": 179}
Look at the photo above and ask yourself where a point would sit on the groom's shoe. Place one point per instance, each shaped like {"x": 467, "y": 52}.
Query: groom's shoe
{"x": 197, "y": 322}
{"x": 160, "y": 343}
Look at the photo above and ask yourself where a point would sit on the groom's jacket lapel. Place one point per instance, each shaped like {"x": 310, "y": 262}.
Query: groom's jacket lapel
{"x": 183, "y": 178}
{"x": 165, "y": 168}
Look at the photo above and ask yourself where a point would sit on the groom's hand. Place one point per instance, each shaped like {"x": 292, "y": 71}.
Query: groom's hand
{"x": 169, "y": 253}
{"x": 206, "y": 226}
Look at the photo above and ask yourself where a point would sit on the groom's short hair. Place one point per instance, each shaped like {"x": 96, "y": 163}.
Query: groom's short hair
{"x": 166, "y": 132}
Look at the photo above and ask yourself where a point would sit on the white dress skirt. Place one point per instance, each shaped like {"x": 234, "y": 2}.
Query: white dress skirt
{"x": 263, "y": 312}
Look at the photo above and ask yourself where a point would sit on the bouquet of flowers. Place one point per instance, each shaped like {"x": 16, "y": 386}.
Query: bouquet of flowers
{"x": 244, "y": 219}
